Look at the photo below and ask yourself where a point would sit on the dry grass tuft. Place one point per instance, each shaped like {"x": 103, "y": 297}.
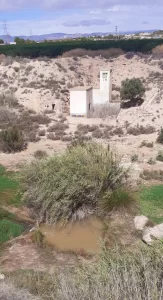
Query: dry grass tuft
{"x": 9, "y": 292}
{"x": 117, "y": 275}
{"x": 69, "y": 186}
{"x": 140, "y": 130}
{"x": 152, "y": 175}
{"x": 108, "y": 53}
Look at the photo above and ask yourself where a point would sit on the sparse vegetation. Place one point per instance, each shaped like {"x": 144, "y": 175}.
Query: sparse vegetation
{"x": 151, "y": 161}
{"x": 152, "y": 175}
{"x": 39, "y": 154}
{"x": 97, "y": 134}
{"x": 12, "y": 140}
{"x": 8, "y": 292}
{"x": 160, "y": 137}
{"x": 129, "y": 55}
{"x": 41, "y": 132}
{"x": 140, "y": 129}
{"x": 159, "y": 156}
{"x": 116, "y": 275}
{"x": 8, "y": 100}
{"x": 146, "y": 144}
{"x": 134, "y": 157}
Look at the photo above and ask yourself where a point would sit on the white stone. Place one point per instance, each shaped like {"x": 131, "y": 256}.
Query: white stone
{"x": 151, "y": 233}
{"x": 140, "y": 222}
{"x": 2, "y": 276}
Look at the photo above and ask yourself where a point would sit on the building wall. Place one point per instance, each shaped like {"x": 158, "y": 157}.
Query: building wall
{"x": 89, "y": 102}
{"x": 96, "y": 96}
{"x": 78, "y": 103}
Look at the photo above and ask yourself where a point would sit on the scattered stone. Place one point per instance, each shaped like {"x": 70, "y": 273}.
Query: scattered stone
{"x": 140, "y": 222}
{"x": 151, "y": 233}
{"x": 2, "y": 276}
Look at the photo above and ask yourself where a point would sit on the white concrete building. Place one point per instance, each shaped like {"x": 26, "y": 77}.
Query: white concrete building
{"x": 83, "y": 99}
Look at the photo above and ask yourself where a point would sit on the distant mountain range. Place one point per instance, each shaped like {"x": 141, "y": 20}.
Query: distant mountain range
{"x": 55, "y": 36}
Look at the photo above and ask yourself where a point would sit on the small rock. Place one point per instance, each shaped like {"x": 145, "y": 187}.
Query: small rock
{"x": 140, "y": 222}
{"x": 151, "y": 233}
{"x": 2, "y": 276}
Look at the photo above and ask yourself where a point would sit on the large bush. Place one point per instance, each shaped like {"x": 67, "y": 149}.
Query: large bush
{"x": 132, "y": 90}
{"x": 11, "y": 140}
{"x": 70, "y": 186}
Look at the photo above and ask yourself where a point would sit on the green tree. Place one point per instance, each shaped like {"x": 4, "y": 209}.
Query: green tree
{"x": 18, "y": 40}
{"x": 1, "y": 41}
{"x": 132, "y": 90}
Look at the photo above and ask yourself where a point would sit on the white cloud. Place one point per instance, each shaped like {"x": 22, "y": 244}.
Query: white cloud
{"x": 56, "y": 4}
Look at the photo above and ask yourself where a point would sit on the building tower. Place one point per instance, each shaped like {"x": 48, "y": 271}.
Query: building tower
{"x": 105, "y": 86}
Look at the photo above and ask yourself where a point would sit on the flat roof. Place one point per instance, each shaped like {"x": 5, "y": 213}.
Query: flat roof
{"x": 81, "y": 88}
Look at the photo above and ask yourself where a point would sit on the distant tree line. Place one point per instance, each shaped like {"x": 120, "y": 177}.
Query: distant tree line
{"x": 21, "y": 41}
{"x": 33, "y": 50}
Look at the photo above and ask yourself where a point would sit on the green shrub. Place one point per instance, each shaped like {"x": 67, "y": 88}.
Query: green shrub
{"x": 70, "y": 185}
{"x": 160, "y": 137}
{"x": 132, "y": 90}
{"x": 119, "y": 198}
{"x": 159, "y": 156}
{"x": 12, "y": 140}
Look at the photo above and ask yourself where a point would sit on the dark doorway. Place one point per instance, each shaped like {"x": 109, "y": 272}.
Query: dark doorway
{"x": 53, "y": 106}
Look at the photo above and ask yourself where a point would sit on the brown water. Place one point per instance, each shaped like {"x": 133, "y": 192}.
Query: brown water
{"x": 79, "y": 236}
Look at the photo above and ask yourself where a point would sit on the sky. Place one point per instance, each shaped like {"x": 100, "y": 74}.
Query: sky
{"x": 26, "y": 17}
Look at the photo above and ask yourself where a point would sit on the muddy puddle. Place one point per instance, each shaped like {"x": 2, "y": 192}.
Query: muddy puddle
{"x": 85, "y": 236}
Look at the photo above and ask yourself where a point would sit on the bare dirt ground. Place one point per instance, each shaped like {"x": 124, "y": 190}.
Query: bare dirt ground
{"x": 22, "y": 253}
{"x": 37, "y": 84}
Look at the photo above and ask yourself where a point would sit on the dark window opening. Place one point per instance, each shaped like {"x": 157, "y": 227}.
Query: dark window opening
{"x": 53, "y": 106}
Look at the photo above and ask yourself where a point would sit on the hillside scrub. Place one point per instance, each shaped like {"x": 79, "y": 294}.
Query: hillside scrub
{"x": 107, "y": 53}
{"x": 160, "y": 137}
{"x": 69, "y": 186}
{"x": 12, "y": 140}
